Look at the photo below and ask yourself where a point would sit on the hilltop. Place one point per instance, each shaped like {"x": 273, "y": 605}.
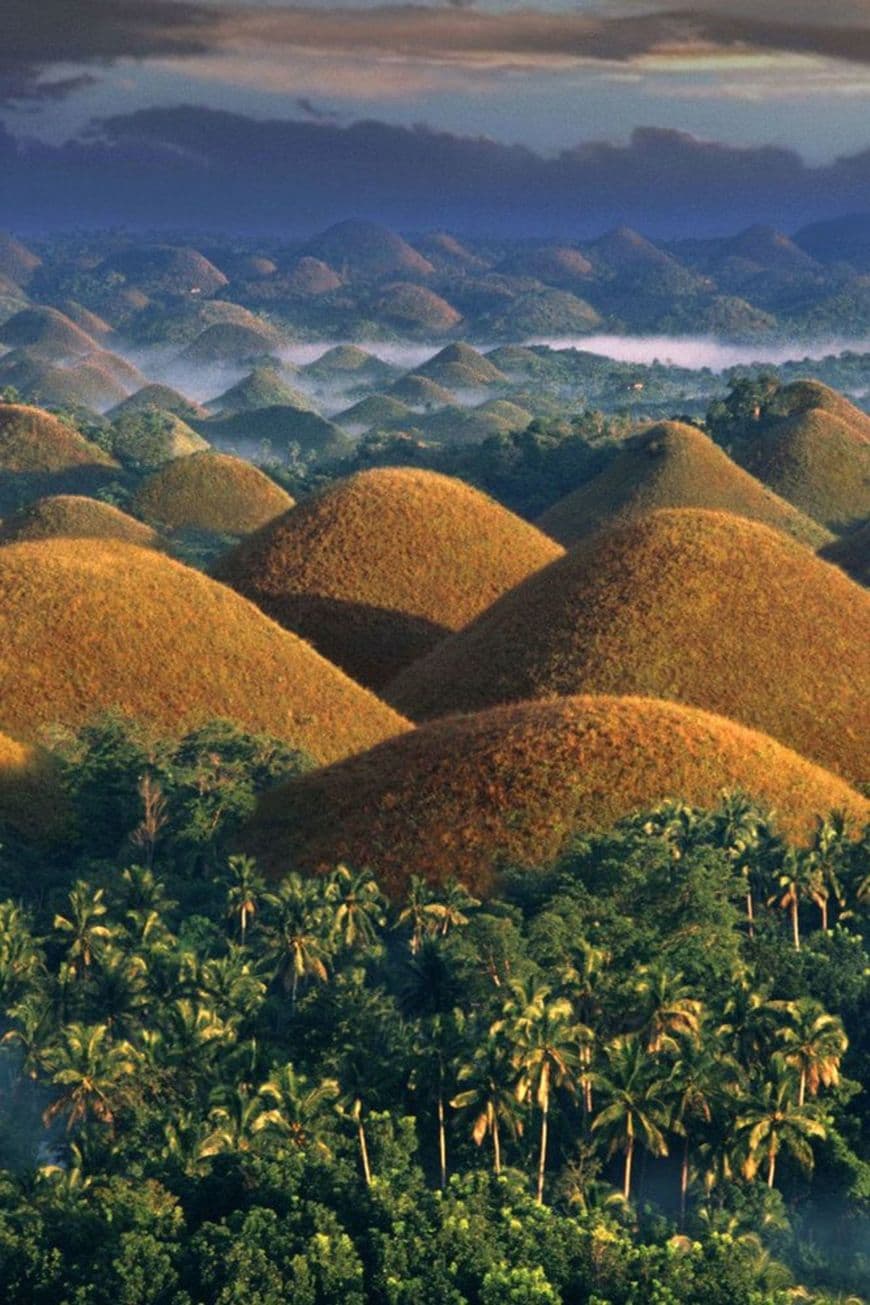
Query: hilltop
{"x": 278, "y": 427}
{"x": 231, "y": 342}
{"x": 415, "y": 308}
{"x": 557, "y": 265}
{"x": 700, "y": 607}
{"x": 213, "y": 492}
{"x": 164, "y": 397}
{"x": 73, "y": 516}
{"x": 165, "y": 269}
{"x": 47, "y": 333}
{"x": 460, "y": 367}
{"x": 672, "y": 465}
{"x": 17, "y": 262}
{"x": 153, "y": 437}
{"x": 112, "y": 626}
{"x": 461, "y": 797}
{"x": 347, "y": 362}
{"x": 379, "y": 567}
{"x": 264, "y": 387}
{"x": 35, "y": 444}
{"x": 376, "y": 410}
{"x": 368, "y": 252}
{"x": 310, "y": 276}
{"x": 421, "y": 392}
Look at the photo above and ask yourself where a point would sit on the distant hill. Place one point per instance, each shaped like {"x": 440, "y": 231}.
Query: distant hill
{"x": 374, "y": 411}
{"x": 672, "y": 465}
{"x": 17, "y": 262}
{"x": 264, "y": 387}
{"x": 542, "y": 313}
{"x": 460, "y": 367}
{"x": 364, "y": 251}
{"x": 463, "y": 797}
{"x": 91, "y": 323}
{"x": 227, "y": 342}
{"x": 153, "y": 396}
{"x": 112, "y": 626}
{"x": 473, "y": 425}
{"x": 447, "y": 253}
{"x": 278, "y": 427}
{"x": 843, "y": 239}
{"x": 557, "y": 265}
{"x": 701, "y": 607}
{"x": 376, "y": 569}
{"x": 421, "y": 392}
{"x": 47, "y": 331}
{"x": 347, "y": 362}
{"x": 415, "y": 308}
{"x": 166, "y": 269}
{"x": 212, "y": 492}
{"x": 150, "y": 439}
{"x": 41, "y": 455}
{"x": 74, "y": 516}
{"x": 310, "y": 277}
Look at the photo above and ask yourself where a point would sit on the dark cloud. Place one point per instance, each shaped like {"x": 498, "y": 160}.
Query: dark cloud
{"x": 190, "y": 167}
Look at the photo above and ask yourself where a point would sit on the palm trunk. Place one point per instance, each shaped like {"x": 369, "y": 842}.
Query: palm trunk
{"x": 823, "y": 907}
{"x": 364, "y": 1151}
{"x": 244, "y": 923}
{"x": 496, "y": 1146}
{"x": 802, "y": 1088}
{"x": 542, "y": 1158}
{"x": 684, "y": 1183}
{"x": 771, "y": 1165}
{"x": 750, "y": 913}
{"x": 293, "y": 988}
{"x": 442, "y": 1141}
{"x": 626, "y": 1180}
{"x": 795, "y": 926}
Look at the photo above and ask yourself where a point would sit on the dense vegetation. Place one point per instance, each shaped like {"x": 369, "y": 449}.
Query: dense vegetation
{"x": 629, "y": 1078}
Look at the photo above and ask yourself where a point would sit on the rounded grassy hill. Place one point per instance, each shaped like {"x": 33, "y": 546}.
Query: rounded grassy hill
{"x": 33, "y": 441}
{"x": 462, "y": 796}
{"x": 227, "y": 342}
{"x": 112, "y": 626}
{"x": 378, "y": 568}
{"x": 211, "y": 491}
{"x": 695, "y": 606}
{"x": 74, "y": 516}
{"x": 460, "y": 367}
{"x": 17, "y": 261}
{"x": 672, "y": 465}
{"x": 47, "y": 331}
{"x": 154, "y": 395}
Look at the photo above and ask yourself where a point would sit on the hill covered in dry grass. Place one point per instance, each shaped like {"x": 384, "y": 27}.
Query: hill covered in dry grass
{"x": 672, "y": 465}
{"x": 39, "y": 454}
{"x": 211, "y": 491}
{"x": 112, "y": 626}
{"x": 74, "y": 516}
{"x": 377, "y": 568}
{"x": 462, "y": 796}
{"x": 700, "y": 607}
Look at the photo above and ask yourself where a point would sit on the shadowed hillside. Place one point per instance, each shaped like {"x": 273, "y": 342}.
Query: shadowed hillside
{"x": 111, "y": 626}
{"x": 377, "y": 568}
{"x": 672, "y": 465}
{"x": 460, "y": 796}
{"x": 701, "y": 607}
{"x": 851, "y": 554}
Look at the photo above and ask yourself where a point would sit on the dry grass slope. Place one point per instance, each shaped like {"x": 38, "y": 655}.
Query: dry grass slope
{"x": 34, "y": 442}
{"x": 112, "y": 626}
{"x": 211, "y": 491}
{"x": 699, "y": 607}
{"x": 74, "y": 516}
{"x": 672, "y": 465}
{"x": 379, "y": 567}
{"x": 509, "y": 786}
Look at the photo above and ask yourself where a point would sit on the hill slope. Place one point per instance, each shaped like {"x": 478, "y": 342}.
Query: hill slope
{"x": 379, "y": 567}
{"x": 460, "y": 796}
{"x": 699, "y": 607}
{"x": 113, "y": 626}
{"x": 211, "y": 491}
{"x": 73, "y": 516}
{"x": 672, "y": 465}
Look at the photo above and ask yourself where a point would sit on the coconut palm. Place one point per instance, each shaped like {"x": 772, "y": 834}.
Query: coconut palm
{"x": 489, "y": 1095}
{"x": 417, "y": 912}
{"x": 635, "y": 1110}
{"x": 232, "y": 985}
{"x": 359, "y": 907}
{"x": 31, "y": 1031}
{"x": 297, "y": 933}
{"x": 813, "y": 1044}
{"x": 792, "y": 887}
{"x": 299, "y": 1106}
{"x": 825, "y": 862}
{"x": 773, "y": 1120}
{"x": 546, "y": 1039}
{"x": 696, "y": 1083}
{"x": 83, "y": 924}
{"x": 749, "y": 1026}
{"x": 94, "y": 1074}
{"x": 742, "y": 829}
{"x": 118, "y": 991}
{"x": 20, "y": 955}
{"x": 580, "y": 983}
{"x": 669, "y": 1011}
{"x": 450, "y": 906}
{"x": 236, "y": 1121}
{"x": 245, "y": 891}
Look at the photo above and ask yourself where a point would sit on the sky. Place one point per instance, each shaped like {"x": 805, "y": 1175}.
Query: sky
{"x": 585, "y": 97}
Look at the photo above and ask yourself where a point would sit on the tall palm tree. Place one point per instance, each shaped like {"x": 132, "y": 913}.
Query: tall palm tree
{"x": 489, "y": 1094}
{"x": 83, "y": 924}
{"x": 695, "y": 1085}
{"x": 580, "y": 982}
{"x": 245, "y": 891}
{"x": 236, "y": 1121}
{"x": 742, "y": 829}
{"x": 297, "y": 933}
{"x": 749, "y": 1025}
{"x": 20, "y": 955}
{"x": 299, "y": 1106}
{"x": 669, "y": 1011}
{"x": 232, "y": 984}
{"x": 773, "y": 1120}
{"x": 636, "y": 1110}
{"x": 813, "y": 1043}
{"x": 450, "y": 906}
{"x": 359, "y": 907}
{"x": 118, "y": 991}
{"x": 792, "y": 887}
{"x": 825, "y": 862}
{"x": 546, "y": 1038}
{"x": 94, "y": 1073}
{"x": 417, "y": 912}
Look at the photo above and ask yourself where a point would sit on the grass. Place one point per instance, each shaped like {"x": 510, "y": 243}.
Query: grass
{"x": 699, "y": 607}
{"x": 851, "y": 554}
{"x": 112, "y": 626}
{"x": 672, "y": 465}
{"x": 421, "y": 392}
{"x": 160, "y": 396}
{"x": 264, "y": 387}
{"x": 74, "y": 516}
{"x": 415, "y": 307}
{"x": 281, "y": 425}
{"x": 211, "y": 491}
{"x": 157, "y": 440}
{"x": 377, "y": 410}
{"x": 47, "y": 330}
{"x": 462, "y": 796}
{"x": 377, "y": 568}
{"x": 33, "y": 442}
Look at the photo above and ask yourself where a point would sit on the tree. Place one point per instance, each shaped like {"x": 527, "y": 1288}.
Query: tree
{"x": 94, "y": 1074}
{"x": 825, "y": 863}
{"x": 774, "y": 1120}
{"x": 245, "y": 891}
{"x": 358, "y": 907}
{"x": 792, "y": 886}
{"x": 299, "y": 1106}
{"x": 417, "y": 912}
{"x": 86, "y": 910}
{"x": 450, "y": 908}
{"x": 669, "y": 1011}
{"x": 297, "y": 933}
{"x": 635, "y": 1110}
{"x": 814, "y": 1043}
{"x": 21, "y": 957}
{"x": 546, "y": 1041}
{"x": 742, "y": 829}
{"x": 490, "y": 1094}
{"x": 696, "y": 1082}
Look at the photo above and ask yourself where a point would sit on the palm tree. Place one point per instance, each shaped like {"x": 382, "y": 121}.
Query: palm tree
{"x": 351, "y": 1107}
{"x": 359, "y": 907}
{"x": 490, "y": 1094}
{"x": 297, "y": 933}
{"x": 94, "y": 1074}
{"x": 299, "y": 1106}
{"x": 232, "y": 984}
{"x": 774, "y": 1120}
{"x": 825, "y": 862}
{"x": 792, "y": 883}
{"x": 20, "y": 955}
{"x": 450, "y": 909}
{"x": 83, "y": 925}
{"x": 31, "y": 1031}
{"x": 670, "y": 1012}
{"x": 236, "y": 1122}
{"x": 814, "y": 1043}
{"x": 580, "y": 980}
{"x": 417, "y": 911}
{"x": 749, "y": 1026}
{"x": 545, "y": 1038}
{"x": 695, "y": 1084}
{"x": 635, "y": 1110}
{"x": 742, "y": 828}
{"x": 245, "y": 891}
{"x": 118, "y": 992}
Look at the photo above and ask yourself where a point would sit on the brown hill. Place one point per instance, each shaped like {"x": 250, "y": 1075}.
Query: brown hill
{"x": 463, "y": 796}
{"x": 155, "y": 437}
{"x": 415, "y": 308}
{"x": 48, "y": 332}
{"x": 460, "y": 367}
{"x": 851, "y": 554}
{"x": 311, "y": 277}
{"x": 816, "y": 455}
{"x": 545, "y": 312}
{"x": 73, "y": 516}
{"x": 368, "y": 252}
{"x": 166, "y": 269}
{"x": 672, "y": 465}
{"x": 377, "y": 410}
{"x": 700, "y": 607}
{"x": 347, "y": 362}
{"x": 448, "y": 254}
{"x": 211, "y": 491}
{"x": 34, "y": 442}
{"x": 553, "y": 264}
{"x": 151, "y": 396}
{"x": 227, "y": 342}
{"x": 93, "y": 325}
{"x": 112, "y": 626}
{"x": 376, "y": 569}
{"x": 278, "y": 426}
{"x": 264, "y": 387}
{"x": 17, "y": 261}
{"x": 421, "y": 392}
